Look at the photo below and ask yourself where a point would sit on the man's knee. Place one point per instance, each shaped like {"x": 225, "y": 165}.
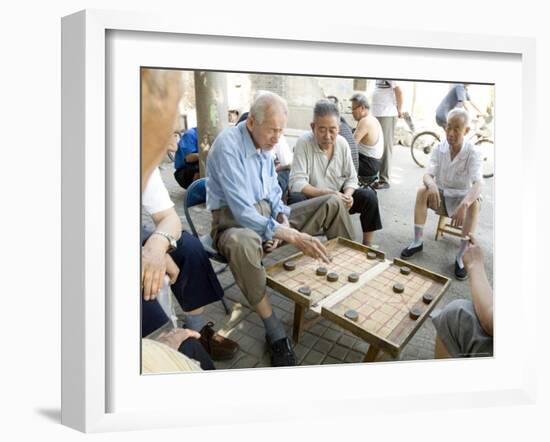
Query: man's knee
{"x": 366, "y": 197}
{"x": 474, "y": 207}
{"x": 189, "y": 242}
{"x": 458, "y": 313}
{"x": 422, "y": 193}
{"x": 336, "y": 201}
{"x": 241, "y": 241}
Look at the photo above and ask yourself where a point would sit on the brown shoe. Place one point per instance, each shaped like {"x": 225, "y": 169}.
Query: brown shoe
{"x": 218, "y": 347}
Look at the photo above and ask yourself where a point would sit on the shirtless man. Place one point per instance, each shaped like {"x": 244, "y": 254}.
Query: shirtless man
{"x": 368, "y": 136}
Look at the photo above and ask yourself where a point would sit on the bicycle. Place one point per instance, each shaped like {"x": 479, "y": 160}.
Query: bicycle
{"x": 424, "y": 142}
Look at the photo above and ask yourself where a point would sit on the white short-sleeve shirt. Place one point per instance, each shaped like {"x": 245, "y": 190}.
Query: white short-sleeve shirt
{"x": 384, "y": 103}
{"x": 456, "y": 177}
{"x": 155, "y": 197}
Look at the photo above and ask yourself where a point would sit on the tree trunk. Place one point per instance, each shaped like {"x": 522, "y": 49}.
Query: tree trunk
{"x": 211, "y": 99}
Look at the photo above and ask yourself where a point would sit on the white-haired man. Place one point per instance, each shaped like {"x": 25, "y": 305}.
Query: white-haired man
{"x": 247, "y": 211}
{"x": 452, "y": 187}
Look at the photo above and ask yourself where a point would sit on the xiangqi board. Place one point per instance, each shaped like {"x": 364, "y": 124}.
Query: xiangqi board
{"x": 384, "y": 302}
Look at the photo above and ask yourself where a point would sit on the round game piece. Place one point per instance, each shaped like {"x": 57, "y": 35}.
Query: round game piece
{"x": 321, "y": 271}
{"x": 398, "y": 288}
{"x": 305, "y": 290}
{"x": 352, "y": 315}
{"x": 332, "y": 277}
{"x": 353, "y": 277}
{"x": 415, "y": 313}
{"x": 289, "y": 265}
{"x": 405, "y": 270}
{"x": 427, "y": 298}
{"x": 371, "y": 255}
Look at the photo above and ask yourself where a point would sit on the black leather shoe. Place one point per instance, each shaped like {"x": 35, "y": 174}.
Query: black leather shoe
{"x": 460, "y": 272}
{"x": 408, "y": 252}
{"x": 282, "y": 354}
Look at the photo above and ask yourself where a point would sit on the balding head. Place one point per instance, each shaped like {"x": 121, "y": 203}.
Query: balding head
{"x": 160, "y": 94}
{"x": 267, "y": 119}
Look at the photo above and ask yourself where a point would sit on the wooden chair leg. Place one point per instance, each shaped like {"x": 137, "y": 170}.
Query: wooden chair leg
{"x": 372, "y": 353}
{"x": 299, "y": 316}
{"x": 440, "y": 226}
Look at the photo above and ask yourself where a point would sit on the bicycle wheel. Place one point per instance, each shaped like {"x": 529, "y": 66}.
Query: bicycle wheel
{"x": 487, "y": 149}
{"x": 422, "y": 147}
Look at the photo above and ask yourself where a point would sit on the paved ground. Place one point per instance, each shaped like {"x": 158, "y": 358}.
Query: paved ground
{"x": 326, "y": 343}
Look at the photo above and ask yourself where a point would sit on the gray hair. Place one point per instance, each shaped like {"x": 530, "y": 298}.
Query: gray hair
{"x": 361, "y": 100}
{"x": 325, "y": 107}
{"x": 459, "y": 112}
{"x": 265, "y": 100}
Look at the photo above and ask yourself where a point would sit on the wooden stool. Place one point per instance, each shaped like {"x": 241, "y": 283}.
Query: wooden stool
{"x": 448, "y": 225}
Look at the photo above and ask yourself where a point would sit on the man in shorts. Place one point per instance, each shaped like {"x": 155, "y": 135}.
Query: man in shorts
{"x": 465, "y": 328}
{"x": 452, "y": 187}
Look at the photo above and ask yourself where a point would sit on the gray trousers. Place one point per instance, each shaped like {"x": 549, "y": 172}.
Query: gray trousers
{"x": 459, "y": 328}
{"x": 388, "y": 128}
{"x": 243, "y": 247}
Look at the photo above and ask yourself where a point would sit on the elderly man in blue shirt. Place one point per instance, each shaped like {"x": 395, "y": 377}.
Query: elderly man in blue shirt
{"x": 247, "y": 212}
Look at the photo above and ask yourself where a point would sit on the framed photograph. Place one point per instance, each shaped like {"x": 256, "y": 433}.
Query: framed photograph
{"x": 103, "y": 387}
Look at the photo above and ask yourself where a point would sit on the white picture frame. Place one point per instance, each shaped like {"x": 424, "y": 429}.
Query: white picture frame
{"x": 89, "y": 172}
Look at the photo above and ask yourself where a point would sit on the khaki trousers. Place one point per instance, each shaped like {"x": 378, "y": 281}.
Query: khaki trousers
{"x": 388, "y": 129}
{"x": 243, "y": 247}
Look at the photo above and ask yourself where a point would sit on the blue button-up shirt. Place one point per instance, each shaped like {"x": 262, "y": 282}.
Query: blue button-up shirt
{"x": 240, "y": 176}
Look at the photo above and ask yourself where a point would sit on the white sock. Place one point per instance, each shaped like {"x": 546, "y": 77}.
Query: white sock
{"x": 418, "y": 235}
{"x": 461, "y": 250}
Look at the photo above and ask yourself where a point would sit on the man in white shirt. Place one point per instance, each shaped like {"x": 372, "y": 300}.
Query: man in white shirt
{"x": 452, "y": 186}
{"x": 387, "y": 100}
{"x": 323, "y": 166}
{"x": 282, "y": 156}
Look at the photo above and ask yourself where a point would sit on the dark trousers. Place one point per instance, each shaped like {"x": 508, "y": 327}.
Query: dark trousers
{"x": 197, "y": 284}
{"x": 184, "y": 176}
{"x": 282, "y": 178}
{"x": 368, "y": 167}
{"x": 193, "y": 348}
{"x": 365, "y": 202}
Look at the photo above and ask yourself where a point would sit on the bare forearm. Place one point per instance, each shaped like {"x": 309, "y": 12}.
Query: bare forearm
{"x": 482, "y": 297}
{"x": 285, "y": 233}
{"x": 312, "y": 191}
{"x": 348, "y": 191}
{"x": 169, "y": 222}
{"x": 428, "y": 181}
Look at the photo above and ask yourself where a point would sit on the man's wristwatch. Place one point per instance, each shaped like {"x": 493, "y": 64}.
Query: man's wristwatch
{"x": 170, "y": 238}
